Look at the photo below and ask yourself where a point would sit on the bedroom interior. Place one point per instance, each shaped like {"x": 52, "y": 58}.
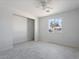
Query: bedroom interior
{"x": 39, "y": 29}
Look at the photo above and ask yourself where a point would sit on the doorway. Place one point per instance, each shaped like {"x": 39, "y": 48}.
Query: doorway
{"x": 30, "y": 29}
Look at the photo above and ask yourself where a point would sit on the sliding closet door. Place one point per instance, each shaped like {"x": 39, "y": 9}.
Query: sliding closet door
{"x": 30, "y": 29}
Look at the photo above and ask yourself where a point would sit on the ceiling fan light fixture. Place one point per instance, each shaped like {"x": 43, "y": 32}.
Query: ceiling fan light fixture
{"x": 46, "y": 5}
{"x": 47, "y": 10}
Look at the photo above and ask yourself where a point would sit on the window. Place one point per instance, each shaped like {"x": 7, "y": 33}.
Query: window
{"x": 55, "y": 24}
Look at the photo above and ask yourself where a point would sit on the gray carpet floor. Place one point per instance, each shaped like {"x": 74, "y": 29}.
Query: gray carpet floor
{"x": 40, "y": 50}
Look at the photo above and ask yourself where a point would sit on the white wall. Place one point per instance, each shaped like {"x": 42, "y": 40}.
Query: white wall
{"x": 5, "y": 29}
{"x": 19, "y": 26}
{"x": 70, "y": 31}
{"x": 27, "y": 15}
{"x": 36, "y": 29}
{"x": 13, "y": 28}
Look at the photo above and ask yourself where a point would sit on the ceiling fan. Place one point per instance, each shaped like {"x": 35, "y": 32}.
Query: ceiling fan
{"x": 45, "y": 5}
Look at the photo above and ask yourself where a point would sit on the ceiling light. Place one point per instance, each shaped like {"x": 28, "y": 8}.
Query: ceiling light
{"x": 45, "y": 5}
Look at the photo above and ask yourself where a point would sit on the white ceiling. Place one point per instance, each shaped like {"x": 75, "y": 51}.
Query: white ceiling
{"x": 33, "y": 8}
